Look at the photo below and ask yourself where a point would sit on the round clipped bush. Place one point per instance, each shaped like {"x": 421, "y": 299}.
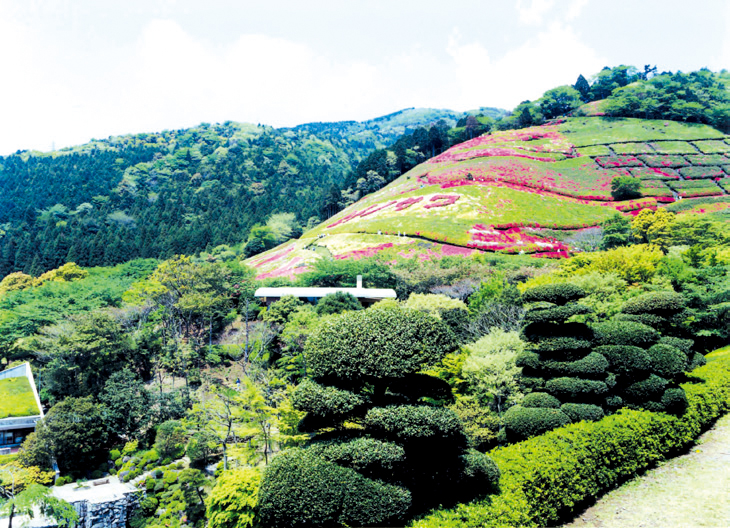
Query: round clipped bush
{"x": 652, "y": 320}
{"x": 627, "y": 361}
{"x": 613, "y": 402}
{"x": 365, "y": 455}
{"x": 312, "y": 397}
{"x": 667, "y": 361}
{"x": 528, "y": 359}
{"x": 556, "y": 314}
{"x": 625, "y": 333}
{"x": 658, "y": 303}
{"x": 575, "y": 388}
{"x": 562, "y": 347}
{"x": 582, "y": 412}
{"x": 479, "y": 469}
{"x": 302, "y": 489}
{"x": 675, "y": 401}
{"x": 524, "y": 422}
{"x": 540, "y": 400}
{"x": 377, "y": 343}
{"x": 647, "y": 389}
{"x": 532, "y": 383}
{"x": 559, "y": 294}
{"x": 685, "y": 345}
{"x": 591, "y": 366}
{"x": 405, "y": 423}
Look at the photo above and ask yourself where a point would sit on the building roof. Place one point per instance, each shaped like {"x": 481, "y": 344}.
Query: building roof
{"x": 360, "y": 293}
{"x": 18, "y": 393}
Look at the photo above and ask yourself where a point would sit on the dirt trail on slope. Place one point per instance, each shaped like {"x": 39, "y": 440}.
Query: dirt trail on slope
{"x": 687, "y": 491}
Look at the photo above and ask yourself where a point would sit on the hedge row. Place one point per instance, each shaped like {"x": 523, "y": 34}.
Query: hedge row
{"x": 544, "y": 479}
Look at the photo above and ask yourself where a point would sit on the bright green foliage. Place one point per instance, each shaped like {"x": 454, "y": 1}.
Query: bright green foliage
{"x": 36, "y": 497}
{"x": 336, "y": 303}
{"x": 15, "y": 281}
{"x": 434, "y": 305}
{"x": 653, "y": 227}
{"x": 16, "y": 398}
{"x": 636, "y": 263}
{"x": 300, "y": 488}
{"x": 559, "y": 101}
{"x": 481, "y": 424}
{"x": 280, "y": 311}
{"x": 232, "y": 501}
{"x": 547, "y": 477}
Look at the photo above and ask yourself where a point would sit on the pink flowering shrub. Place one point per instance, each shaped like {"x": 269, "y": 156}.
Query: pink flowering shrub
{"x": 708, "y": 159}
{"x": 649, "y": 173}
{"x": 442, "y": 200}
{"x": 405, "y": 204}
{"x": 611, "y": 162}
{"x": 275, "y": 256}
{"x": 364, "y": 253}
{"x": 664, "y": 161}
{"x": 511, "y": 240}
{"x": 702, "y": 173}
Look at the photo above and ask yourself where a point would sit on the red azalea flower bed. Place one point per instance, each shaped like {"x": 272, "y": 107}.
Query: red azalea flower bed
{"x": 708, "y": 159}
{"x": 291, "y": 270}
{"x": 648, "y": 173}
{"x": 694, "y": 193}
{"x": 364, "y": 253}
{"x": 524, "y": 176}
{"x": 664, "y": 161}
{"x": 440, "y": 200}
{"x": 702, "y": 173}
{"x": 275, "y": 256}
{"x": 452, "y": 157}
{"x": 511, "y": 240}
{"x": 613, "y": 162}
{"x": 637, "y": 205}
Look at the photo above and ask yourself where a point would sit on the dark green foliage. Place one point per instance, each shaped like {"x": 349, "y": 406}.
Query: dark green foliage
{"x": 651, "y": 320}
{"x": 127, "y": 403}
{"x": 479, "y": 469}
{"x": 675, "y": 401}
{"x": 616, "y": 232}
{"x": 377, "y": 343}
{"x": 532, "y": 383}
{"x": 302, "y": 489}
{"x": 368, "y": 456}
{"x": 410, "y": 423}
{"x": 337, "y": 302}
{"x": 685, "y": 345}
{"x": 667, "y": 361}
{"x": 566, "y": 389}
{"x": 625, "y": 333}
{"x": 659, "y": 303}
{"x": 322, "y": 401}
{"x": 696, "y": 360}
{"x": 591, "y": 366}
{"x": 562, "y": 346}
{"x": 537, "y": 331}
{"x": 625, "y": 188}
{"x": 541, "y": 400}
{"x": 559, "y": 294}
{"x": 613, "y": 402}
{"x": 648, "y": 389}
{"x": 524, "y": 422}
{"x": 528, "y": 359}
{"x": 558, "y": 314}
{"x": 582, "y": 412}
{"x": 626, "y": 360}
{"x": 457, "y": 320}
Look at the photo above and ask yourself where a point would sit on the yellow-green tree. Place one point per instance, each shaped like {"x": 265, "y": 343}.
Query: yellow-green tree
{"x": 654, "y": 227}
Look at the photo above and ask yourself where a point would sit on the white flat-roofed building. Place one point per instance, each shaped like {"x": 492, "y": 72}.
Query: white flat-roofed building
{"x": 366, "y": 296}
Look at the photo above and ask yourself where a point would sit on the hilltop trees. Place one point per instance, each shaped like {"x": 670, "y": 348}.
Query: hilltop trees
{"x": 364, "y": 369}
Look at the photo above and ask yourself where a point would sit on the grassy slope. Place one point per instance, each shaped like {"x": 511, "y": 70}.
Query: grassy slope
{"x": 498, "y": 191}
{"x": 16, "y": 398}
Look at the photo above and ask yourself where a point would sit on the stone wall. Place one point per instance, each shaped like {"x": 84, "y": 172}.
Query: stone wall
{"x": 108, "y": 514}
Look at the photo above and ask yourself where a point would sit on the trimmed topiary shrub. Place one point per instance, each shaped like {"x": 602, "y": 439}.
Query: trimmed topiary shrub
{"x": 648, "y": 389}
{"x": 628, "y": 361}
{"x": 528, "y": 359}
{"x": 321, "y": 401}
{"x": 557, "y": 314}
{"x": 540, "y": 400}
{"x": 625, "y": 333}
{"x": 524, "y": 422}
{"x": 562, "y": 347}
{"x": 479, "y": 468}
{"x": 594, "y": 365}
{"x": 651, "y": 320}
{"x": 685, "y": 345}
{"x": 696, "y": 361}
{"x": 559, "y": 294}
{"x": 582, "y": 412}
{"x": 407, "y": 423}
{"x": 567, "y": 389}
{"x": 302, "y": 489}
{"x": 377, "y": 343}
{"x": 675, "y": 401}
{"x": 365, "y": 455}
{"x": 667, "y": 361}
{"x": 662, "y": 303}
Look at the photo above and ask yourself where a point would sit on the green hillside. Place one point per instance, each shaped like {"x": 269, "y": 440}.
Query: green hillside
{"x": 16, "y": 398}
{"x": 525, "y": 191}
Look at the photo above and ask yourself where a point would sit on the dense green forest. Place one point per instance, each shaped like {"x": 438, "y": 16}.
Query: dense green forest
{"x": 178, "y": 192}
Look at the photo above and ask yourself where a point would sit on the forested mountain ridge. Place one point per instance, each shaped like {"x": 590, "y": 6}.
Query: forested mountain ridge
{"x": 182, "y": 191}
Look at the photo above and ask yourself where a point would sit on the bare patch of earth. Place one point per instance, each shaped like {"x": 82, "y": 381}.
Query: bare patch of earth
{"x": 686, "y": 491}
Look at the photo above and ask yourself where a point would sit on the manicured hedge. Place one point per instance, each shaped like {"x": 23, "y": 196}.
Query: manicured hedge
{"x": 582, "y": 411}
{"x": 685, "y": 345}
{"x": 545, "y": 478}
{"x": 524, "y": 422}
{"x": 557, "y": 314}
{"x": 566, "y": 389}
{"x": 591, "y": 366}
{"x": 625, "y": 333}
{"x": 554, "y": 293}
{"x": 412, "y": 422}
{"x": 647, "y": 389}
{"x": 541, "y": 400}
{"x": 552, "y": 345}
{"x": 299, "y": 488}
{"x": 626, "y": 360}
{"x": 325, "y": 401}
{"x": 667, "y": 361}
{"x": 659, "y": 303}
{"x": 365, "y": 455}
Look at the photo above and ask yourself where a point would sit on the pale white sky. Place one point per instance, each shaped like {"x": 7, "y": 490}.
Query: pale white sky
{"x": 73, "y": 70}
